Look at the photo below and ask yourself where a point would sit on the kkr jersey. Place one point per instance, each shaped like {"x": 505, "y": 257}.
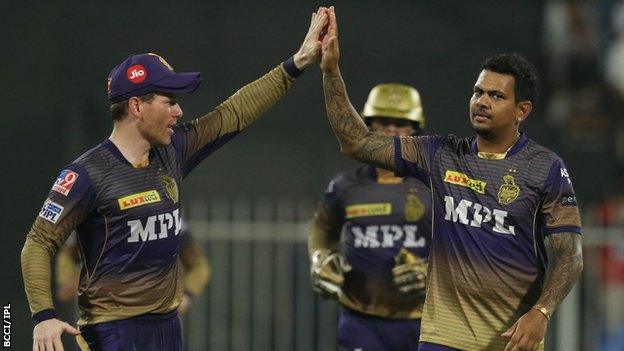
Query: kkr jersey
{"x": 377, "y": 220}
{"x": 487, "y": 260}
{"x": 128, "y": 219}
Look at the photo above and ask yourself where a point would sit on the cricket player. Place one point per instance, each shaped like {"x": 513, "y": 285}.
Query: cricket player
{"x": 506, "y": 246}
{"x": 122, "y": 198}
{"x": 386, "y": 221}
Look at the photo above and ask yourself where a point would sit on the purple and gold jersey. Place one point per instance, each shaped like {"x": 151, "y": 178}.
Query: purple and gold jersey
{"x": 490, "y": 219}
{"x": 377, "y": 220}
{"x": 128, "y": 219}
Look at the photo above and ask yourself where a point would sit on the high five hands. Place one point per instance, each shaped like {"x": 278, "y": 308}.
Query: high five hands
{"x": 310, "y": 50}
{"x": 321, "y": 42}
{"x": 329, "y": 47}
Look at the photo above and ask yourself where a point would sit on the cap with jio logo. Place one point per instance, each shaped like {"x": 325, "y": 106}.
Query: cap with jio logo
{"x": 148, "y": 73}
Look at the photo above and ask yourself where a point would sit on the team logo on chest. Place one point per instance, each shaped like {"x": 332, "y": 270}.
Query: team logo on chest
{"x": 414, "y": 208}
{"x": 508, "y": 191}
{"x": 171, "y": 188}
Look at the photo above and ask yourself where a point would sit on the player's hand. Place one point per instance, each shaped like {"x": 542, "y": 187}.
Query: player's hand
{"x": 410, "y": 273}
{"x": 327, "y": 270}
{"x": 329, "y": 47}
{"x": 47, "y": 335}
{"x": 527, "y": 333}
{"x": 185, "y": 305}
{"x": 310, "y": 50}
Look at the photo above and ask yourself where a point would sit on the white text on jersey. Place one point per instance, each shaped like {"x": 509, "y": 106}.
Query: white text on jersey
{"x": 375, "y": 236}
{"x": 480, "y": 215}
{"x": 166, "y": 221}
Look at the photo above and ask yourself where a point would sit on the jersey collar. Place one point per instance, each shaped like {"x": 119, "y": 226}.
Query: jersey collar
{"x": 514, "y": 149}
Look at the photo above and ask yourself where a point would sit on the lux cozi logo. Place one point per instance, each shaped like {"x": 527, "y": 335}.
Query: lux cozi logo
{"x": 479, "y": 215}
{"x": 462, "y": 179}
{"x": 383, "y": 236}
{"x": 155, "y": 227}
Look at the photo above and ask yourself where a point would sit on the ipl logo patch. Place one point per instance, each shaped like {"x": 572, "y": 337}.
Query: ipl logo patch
{"x": 51, "y": 211}
{"x": 171, "y": 188}
{"x": 508, "y": 191}
{"x": 65, "y": 181}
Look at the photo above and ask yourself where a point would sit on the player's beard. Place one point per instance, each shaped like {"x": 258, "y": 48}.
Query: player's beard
{"x": 484, "y": 132}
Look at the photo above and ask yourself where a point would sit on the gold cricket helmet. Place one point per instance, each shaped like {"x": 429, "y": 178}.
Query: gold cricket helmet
{"x": 394, "y": 101}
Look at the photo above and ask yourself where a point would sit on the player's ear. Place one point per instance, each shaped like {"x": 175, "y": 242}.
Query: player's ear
{"x": 522, "y": 110}
{"x": 134, "y": 107}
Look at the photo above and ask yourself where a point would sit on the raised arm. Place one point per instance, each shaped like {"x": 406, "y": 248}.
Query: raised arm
{"x": 196, "y": 139}
{"x": 355, "y": 139}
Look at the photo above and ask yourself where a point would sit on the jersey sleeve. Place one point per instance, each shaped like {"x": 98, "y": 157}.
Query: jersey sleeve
{"x": 197, "y": 270}
{"x": 69, "y": 202}
{"x": 413, "y": 155}
{"x": 559, "y": 210}
{"x": 328, "y": 219}
{"x": 197, "y": 139}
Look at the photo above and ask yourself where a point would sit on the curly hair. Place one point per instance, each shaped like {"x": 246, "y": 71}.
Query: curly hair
{"x": 527, "y": 83}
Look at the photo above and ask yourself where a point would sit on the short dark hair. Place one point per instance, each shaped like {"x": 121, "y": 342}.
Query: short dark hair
{"x": 525, "y": 74}
{"x": 119, "y": 109}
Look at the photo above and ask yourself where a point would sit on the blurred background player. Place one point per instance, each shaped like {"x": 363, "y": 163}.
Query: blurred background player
{"x": 194, "y": 262}
{"x": 386, "y": 220}
{"x": 506, "y": 247}
{"x": 122, "y": 197}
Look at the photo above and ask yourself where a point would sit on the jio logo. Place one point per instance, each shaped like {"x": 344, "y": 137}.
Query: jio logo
{"x": 136, "y": 74}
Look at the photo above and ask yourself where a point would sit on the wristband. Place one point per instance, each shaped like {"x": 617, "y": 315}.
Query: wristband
{"x": 543, "y": 310}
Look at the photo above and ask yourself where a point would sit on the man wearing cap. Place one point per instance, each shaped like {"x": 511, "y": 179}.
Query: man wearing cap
{"x": 379, "y": 275}
{"x": 122, "y": 198}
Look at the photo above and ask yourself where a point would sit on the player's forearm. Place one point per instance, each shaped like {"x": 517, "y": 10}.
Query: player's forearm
{"x": 197, "y": 276}
{"x": 322, "y": 237}
{"x": 251, "y": 101}
{"x": 355, "y": 139}
{"x": 565, "y": 264}
{"x": 344, "y": 120}
{"x": 36, "y": 272}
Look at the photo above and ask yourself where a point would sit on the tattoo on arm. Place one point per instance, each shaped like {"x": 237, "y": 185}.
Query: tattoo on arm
{"x": 355, "y": 139}
{"x": 565, "y": 264}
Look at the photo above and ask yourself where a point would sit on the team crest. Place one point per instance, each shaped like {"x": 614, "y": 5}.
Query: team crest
{"x": 414, "y": 208}
{"x": 171, "y": 188}
{"x": 162, "y": 60}
{"x": 508, "y": 191}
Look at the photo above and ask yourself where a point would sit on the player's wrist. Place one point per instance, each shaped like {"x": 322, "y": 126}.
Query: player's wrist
{"x": 291, "y": 67}
{"x": 333, "y": 71}
{"x": 43, "y": 315}
{"x": 543, "y": 310}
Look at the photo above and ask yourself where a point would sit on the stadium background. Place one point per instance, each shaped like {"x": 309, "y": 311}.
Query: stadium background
{"x": 56, "y": 56}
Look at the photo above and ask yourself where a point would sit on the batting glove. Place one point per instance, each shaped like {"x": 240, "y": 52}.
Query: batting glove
{"x": 327, "y": 270}
{"x": 410, "y": 273}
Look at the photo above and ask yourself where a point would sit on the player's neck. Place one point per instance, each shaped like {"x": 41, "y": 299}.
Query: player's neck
{"x": 134, "y": 148}
{"x": 497, "y": 144}
{"x": 387, "y": 177}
